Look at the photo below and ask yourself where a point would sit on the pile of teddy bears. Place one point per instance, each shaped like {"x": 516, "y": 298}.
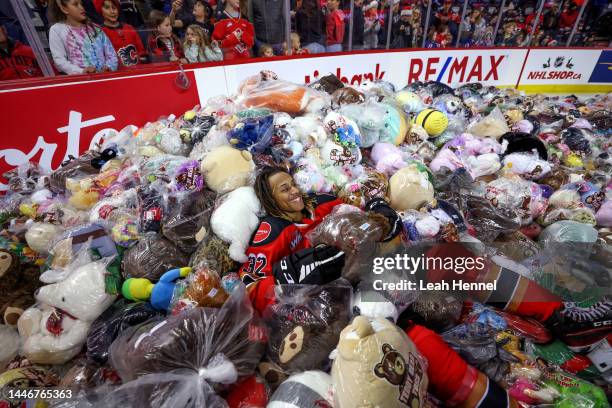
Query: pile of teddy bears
{"x": 118, "y": 270}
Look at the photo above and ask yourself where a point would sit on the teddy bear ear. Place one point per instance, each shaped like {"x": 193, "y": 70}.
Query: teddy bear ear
{"x": 386, "y": 348}
{"x": 379, "y": 370}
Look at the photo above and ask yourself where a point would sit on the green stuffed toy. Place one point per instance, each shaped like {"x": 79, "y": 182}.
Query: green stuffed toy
{"x": 160, "y": 293}
{"x": 576, "y": 393}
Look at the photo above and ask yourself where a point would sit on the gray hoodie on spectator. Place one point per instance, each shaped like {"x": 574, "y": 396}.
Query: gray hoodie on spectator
{"x": 268, "y": 19}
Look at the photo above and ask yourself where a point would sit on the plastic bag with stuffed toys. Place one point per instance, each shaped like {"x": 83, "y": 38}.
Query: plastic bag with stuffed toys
{"x": 151, "y": 257}
{"x": 187, "y": 218}
{"x": 267, "y": 91}
{"x": 55, "y": 328}
{"x": 187, "y": 359}
{"x": 117, "y": 318}
{"x": 353, "y": 231}
{"x": 304, "y": 323}
{"x": 201, "y": 288}
{"x": 535, "y": 383}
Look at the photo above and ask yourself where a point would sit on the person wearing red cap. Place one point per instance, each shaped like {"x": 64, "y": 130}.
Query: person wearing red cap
{"x": 125, "y": 39}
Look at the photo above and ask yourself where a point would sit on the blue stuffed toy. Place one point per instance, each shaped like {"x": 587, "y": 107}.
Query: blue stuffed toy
{"x": 253, "y": 134}
{"x": 160, "y": 293}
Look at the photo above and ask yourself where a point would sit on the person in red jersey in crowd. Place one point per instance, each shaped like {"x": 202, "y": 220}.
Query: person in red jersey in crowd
{"x": 17, "y": 60}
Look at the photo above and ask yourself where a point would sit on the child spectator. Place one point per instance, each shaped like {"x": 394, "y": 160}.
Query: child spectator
{"x": 77, "y": 45}
{"x": 334, "y": 26}
{"x": 200, "y": 15}
{"x": 371, "y": 26}
{"x": 235, "y": 34}
{"x": 310, "y": 26}
{"x": 125, "y": 39}
{"x": 266, "y": 51}
{"x": 198, "y": 47}
{"x": 163, "y": 45}
{"x": 296, "y": 47}
{"x": 17, "y": 60}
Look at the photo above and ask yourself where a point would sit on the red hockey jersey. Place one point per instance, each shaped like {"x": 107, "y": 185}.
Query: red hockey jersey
{"x": 274, "y": 239}
{"x": 228, "y": 31}
{"x": 18, "y": 62}
{"x": 127, "y": 44}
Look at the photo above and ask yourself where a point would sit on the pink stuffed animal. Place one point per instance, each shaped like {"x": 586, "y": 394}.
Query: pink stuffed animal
{"x": 388, "y": 158}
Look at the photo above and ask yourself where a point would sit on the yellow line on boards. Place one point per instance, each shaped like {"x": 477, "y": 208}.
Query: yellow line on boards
{"x": 565, "y": 89}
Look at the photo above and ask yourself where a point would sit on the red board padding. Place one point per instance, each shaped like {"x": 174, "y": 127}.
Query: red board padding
{"x": 64, "y": 119}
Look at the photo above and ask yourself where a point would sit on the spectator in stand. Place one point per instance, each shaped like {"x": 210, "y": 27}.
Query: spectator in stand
{"x": 17, "y": 60}
{"x": 371, "y": 26}
{"x": 266, "y": 51}
{"x": 442, "y": 33}
{"x": 198, "y": 47}
{"x": 473, "y": 28}
{"x": 296, "y": 47}
{"x": 235, "y": 34}
{"x": 269, "y": 22}
{"x": 163, "y": 45}
{"x": 334, "y": 26}
{"x": 417, "y": 27}
{"x": 430, "y": 42}
{"x": 568, "y": 16}
{"x": 310, "y": 26}
{"x": 358, "y": 26}
{"x": 402, "y": 30}
{"x": 125, "y": 39}
{"x": 201, "y": 14}
{"x": 77, "y": 45}
{"x": 131, "y": 14}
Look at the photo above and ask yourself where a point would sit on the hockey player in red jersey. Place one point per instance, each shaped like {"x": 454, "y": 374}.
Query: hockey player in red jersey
{"x": 235, "y": 34}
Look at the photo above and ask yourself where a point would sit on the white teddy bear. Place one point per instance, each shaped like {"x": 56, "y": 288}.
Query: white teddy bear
{"x": 55, "y": 330}
{"x": 235, "y": 220}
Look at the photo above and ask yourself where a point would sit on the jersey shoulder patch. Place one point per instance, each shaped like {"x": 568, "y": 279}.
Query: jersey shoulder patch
{"x": 270, "y": 228}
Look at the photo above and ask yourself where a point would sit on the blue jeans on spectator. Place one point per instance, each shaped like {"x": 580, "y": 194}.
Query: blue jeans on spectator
{"x": 315, "y": 48}
{"x": 334, "y": 48}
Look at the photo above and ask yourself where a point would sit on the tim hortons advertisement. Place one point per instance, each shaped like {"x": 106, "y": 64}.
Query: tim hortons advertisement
{"x": 559, "y": 66}
{"x": 49, "y": 124}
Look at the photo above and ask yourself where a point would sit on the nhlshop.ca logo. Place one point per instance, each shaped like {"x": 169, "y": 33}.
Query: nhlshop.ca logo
{"x": 557, "y": 69}
{"x": 357, "y": 79}
{"x": 456, "y": 69}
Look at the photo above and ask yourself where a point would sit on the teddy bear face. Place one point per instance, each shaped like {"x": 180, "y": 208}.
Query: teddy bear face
{"x": 82, "y": 294}
{"x": 392, "y": 367}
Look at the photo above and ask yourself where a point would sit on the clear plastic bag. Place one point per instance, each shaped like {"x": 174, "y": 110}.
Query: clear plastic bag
{"x": 355, "y": 233}
{"x": 304, "y": 323}
{"x": 105, "y": 329}
{"x": 55, "y": 329}
{"x": 75, "y": 167}
{"x": 201, "y": 288}
{"x": 266, "y": 91}
{"x": 151, "y": 257}
{"x": 187, "y": 219}
{"x": 186, "y": 359}
{"x": 307, "y": 389}
{"x": 9, "y": 338}
{"x": 214, "y": 253}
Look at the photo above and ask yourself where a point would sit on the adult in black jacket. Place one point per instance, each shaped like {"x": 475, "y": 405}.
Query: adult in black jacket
{"x": 310, "y": 26}
{"x": 269, "y": 22}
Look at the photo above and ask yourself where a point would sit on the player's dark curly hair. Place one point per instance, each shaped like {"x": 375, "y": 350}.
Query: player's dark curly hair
{"x": 264, "y": 192}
